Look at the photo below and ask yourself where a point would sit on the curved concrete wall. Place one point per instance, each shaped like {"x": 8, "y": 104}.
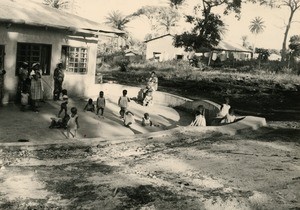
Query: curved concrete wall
{"x": 112, "y": 90}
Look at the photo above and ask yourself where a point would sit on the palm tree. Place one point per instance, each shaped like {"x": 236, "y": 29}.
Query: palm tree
{"x": 245, "y": 41}
{"x": 58, "y": 4}
{"x": 256, "y": 27}
{"x": 117, "y": 20}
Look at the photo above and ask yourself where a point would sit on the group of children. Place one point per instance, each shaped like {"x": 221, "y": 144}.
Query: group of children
{"x": 68, "y": 122}
{"x": 224, "y": 116}
{"x": 125, "y": 114}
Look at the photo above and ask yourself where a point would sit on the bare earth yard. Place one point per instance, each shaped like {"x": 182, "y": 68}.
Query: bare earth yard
{"x": 252, "y": 170}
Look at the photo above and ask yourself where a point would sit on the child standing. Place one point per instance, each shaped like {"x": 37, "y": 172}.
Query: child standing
{"x": 123, "y": 103}
{"x": 63, "y": 105}
{"x": 73, "y": 124}
{"x": 100, "y": 103}
{"x": 90, "y": 106}
{"x": 146, "y": 121}
{"x": 24, "y": 99}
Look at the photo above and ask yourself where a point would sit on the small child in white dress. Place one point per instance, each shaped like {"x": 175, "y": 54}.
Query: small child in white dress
{"x": 73, "y": 124}
{"x": 199, "y": 119}
{"x": 146, "y": 121}
{"x": 224, "y": 110}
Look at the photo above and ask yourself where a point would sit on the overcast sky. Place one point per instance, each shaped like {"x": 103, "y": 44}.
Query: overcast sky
{"x": 274, "y": 19}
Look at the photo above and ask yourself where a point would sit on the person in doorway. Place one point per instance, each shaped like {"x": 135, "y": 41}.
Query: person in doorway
{"x": 23, "y": 75}
{"x": 2, "y": 73}
{"x": 58, "y": 77}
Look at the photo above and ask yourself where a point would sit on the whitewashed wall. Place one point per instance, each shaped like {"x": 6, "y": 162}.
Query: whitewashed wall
{"x": 77, "y": 84}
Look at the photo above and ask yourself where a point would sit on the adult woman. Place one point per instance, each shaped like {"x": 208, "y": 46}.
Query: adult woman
{"x": 36, "y": 88}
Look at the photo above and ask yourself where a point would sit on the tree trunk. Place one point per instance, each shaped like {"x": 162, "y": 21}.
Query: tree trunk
{"x": 283, "y": 50}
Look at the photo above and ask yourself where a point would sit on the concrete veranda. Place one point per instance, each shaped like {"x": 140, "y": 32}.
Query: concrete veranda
{"x": 16, "y": 126}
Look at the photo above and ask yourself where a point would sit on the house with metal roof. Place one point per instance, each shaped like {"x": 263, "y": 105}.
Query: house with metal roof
{"x": 32, "y": 32}
{"x": 161, "y": 48}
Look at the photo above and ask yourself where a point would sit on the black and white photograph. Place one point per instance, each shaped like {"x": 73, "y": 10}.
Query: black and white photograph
{"x": 149, "y": 104}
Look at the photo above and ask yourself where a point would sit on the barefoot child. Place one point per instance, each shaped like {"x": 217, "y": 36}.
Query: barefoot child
{"x": 123, "y": 103}
{"x": 89, "y": 106}
{"x": 72, "y": 124}
{"x": 63, "y": 105}
{"x": 146, "y": 121}
{"x": 100, "y": 103}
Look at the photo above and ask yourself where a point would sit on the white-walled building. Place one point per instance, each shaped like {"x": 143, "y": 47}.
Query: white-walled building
{"x": 161, "y": 49}
{"x": 33, "y": 32}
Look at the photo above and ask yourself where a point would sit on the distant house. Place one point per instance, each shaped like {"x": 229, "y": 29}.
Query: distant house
{"x": 230, "y": 50}
{"x": 161, "y": 49}
{"x": 33, "y": 32}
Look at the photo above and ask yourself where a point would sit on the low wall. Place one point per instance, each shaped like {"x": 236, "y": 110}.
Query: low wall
{"x": 112, "y": 91}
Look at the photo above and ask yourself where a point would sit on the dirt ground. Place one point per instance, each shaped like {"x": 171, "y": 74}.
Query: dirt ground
{"x": 252, "y": 170}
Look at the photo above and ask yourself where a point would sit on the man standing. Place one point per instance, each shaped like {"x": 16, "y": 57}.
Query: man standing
{"x": 58, "y": 80}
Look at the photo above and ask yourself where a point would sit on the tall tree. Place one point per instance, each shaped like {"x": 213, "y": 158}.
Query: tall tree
{"x": 159, "y": 18}
{"x": 117, "y": 20}
{"x": 256, "y": 27}
{"x": 168, "y": 19}
{"x": 208, "y": 27}
{"x": 293, "y": 6}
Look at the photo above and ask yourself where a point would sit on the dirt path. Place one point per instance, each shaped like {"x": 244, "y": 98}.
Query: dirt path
{"x": 252, "y": 170}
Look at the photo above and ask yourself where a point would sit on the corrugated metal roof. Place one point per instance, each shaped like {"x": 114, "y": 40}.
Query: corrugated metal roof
{"x": 36, "y": 14}
{"x": 231, "y": 46}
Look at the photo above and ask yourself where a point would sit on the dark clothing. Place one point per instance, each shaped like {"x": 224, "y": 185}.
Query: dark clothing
{"x": 60, "y": 123}
{"x": 58, "y": 81}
